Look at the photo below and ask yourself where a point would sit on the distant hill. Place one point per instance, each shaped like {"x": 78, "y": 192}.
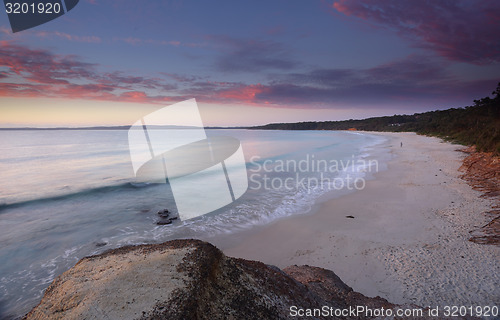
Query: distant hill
{"x": 477, "y": 125}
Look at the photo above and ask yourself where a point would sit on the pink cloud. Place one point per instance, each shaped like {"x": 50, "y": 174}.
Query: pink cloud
{"x": 15, "y": 90}
{"x": 45, "y": 74}
{"x": 138, "y": 41}
{"x": 132, "y": 41}
{"x": 5, "y": 30}
{"x": 42, "y": 66}
{"x": 53, "y": 34}
{"x": 138, "y": 96}
{"x": 464, "y": 31}
{"x": 69, "y": 37}
{"x": 244, "y": 93}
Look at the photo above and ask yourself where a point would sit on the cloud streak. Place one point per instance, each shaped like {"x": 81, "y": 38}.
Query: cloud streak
{"x": 138, "y": 41}
{"x": 460, "y": 30}
{"x": 67, "y": 36}
{"x": 52, "y": 35}
{"x": 241, "y": 55}
{"x": 414, "y": 80}
{"x": 29, "y": 72}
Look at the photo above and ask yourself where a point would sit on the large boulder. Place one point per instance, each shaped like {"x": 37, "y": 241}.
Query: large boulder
{"x": 191, "y": 279}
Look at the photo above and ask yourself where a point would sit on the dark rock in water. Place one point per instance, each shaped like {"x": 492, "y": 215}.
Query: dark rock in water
{"x": 100, "y": 244}
{"x": 163, "y": 213}
{"x": 191, "y": 279}
{"x": 350, "y": 217}
{"x": 164, "y": 222}
{"x": 144, "y": 210}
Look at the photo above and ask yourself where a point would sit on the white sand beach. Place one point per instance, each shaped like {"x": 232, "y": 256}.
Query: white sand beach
{"x": 408, "y": 241}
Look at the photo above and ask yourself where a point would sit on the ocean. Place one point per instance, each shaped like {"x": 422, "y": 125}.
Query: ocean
{"x": 67, "y": 194}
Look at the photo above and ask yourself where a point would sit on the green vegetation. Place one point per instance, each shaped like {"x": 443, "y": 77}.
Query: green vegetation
{"x": 477, "y": 125}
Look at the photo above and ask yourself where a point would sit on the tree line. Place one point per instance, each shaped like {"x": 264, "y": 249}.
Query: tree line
{"x": 477, "y": 125}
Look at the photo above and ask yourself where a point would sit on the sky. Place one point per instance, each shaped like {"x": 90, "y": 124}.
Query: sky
{"x": 110, "y": 62}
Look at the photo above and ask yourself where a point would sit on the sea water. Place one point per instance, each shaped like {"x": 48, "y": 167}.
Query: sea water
{"x": 67, "y": 194}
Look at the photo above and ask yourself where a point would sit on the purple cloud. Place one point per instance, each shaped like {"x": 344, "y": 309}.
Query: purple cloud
{"x": 460, "y": 30}
{"x": 415, "y": 80}
{"x": 181, "y": 78}
{"x": 420, "y": 81}
{"x": 239, "y": 55}
{"x": 43, "y": 73}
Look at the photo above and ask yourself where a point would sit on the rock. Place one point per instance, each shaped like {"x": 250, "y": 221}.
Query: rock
{"x": 350, "y": 217}
{"x": 191, "y": 279}
{"x": 164, "y": 213}
{"x": 327, "y": 285}
{"x": 487, "y": 234}
{"x": 100, "y": 244}
{"x": 164, "y": 222}
{"x": 482, "y": 172}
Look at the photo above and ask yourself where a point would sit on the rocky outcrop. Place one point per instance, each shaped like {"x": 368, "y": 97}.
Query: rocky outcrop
{"x": 191, "y": 279}
{"x": 482, "y": 172}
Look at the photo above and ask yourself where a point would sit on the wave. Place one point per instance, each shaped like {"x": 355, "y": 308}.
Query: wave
{"x": 77, "y": 194}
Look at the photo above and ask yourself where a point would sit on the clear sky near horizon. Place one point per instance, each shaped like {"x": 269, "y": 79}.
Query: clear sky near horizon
{"x": 109, "y": 62}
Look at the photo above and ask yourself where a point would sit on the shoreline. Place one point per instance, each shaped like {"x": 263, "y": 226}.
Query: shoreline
{"x": 408, "y": 240}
